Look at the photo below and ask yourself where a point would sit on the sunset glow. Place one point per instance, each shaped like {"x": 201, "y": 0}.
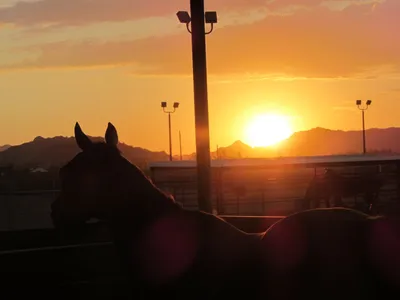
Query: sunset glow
{"x": 267, "y": 130}
{"x": 77, "y": 60}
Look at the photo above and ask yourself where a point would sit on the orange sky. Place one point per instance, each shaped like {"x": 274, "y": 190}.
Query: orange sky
{"x": 63, "y": 61}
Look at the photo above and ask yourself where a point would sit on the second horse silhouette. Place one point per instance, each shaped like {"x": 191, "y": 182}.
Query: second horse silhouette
{"x": 333, "y": 185}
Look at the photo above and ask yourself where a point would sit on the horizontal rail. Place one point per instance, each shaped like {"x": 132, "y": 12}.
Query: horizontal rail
{"x": 249, "y": 224}
{"x": 29, "y": 192}
{"x": 52, "y": 248}
{"x": 251, "y": 217}
{"x": 300, "y": 164}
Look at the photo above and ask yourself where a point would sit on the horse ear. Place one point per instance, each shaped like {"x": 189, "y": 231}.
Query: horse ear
{"x": 111, "y": 136}
{"x": 81, "y": 139}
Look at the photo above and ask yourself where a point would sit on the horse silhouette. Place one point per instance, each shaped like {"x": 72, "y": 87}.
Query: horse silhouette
{"x": 162, "y": 246}
{"x": 166, "y": 250}
{"x": 336, "y": 186}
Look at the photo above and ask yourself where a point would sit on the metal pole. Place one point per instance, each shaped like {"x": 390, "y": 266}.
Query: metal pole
{"x": 180, "y": 145}
{"x": 170, "y": 139}
{"x": 363, "y": 125}
{"x": 201, "y": 105}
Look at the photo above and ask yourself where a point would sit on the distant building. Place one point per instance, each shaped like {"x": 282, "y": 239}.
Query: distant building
{"x": 38, "y": 170}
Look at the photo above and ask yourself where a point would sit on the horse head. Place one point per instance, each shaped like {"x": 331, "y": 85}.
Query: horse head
{"x": 100, "y": 183}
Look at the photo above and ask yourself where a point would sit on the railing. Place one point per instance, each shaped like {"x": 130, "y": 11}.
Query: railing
{"x": 54, "y": 248}
{"x": 278, "y": 195}
{"x": 88, "y": 265}
{"x": 28, "y": 241}
{"x": 237, "y": 190}
{"x": 263, "y": 194}
{"x": 29, "y": 192}
{"x": 275, "y": 197}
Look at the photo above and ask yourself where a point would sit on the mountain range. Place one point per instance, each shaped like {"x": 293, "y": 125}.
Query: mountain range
{"x": 56, "y": 151}
{"x": 321, "y": 141}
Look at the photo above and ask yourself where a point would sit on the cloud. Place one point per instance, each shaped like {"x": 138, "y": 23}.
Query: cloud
{"x": 10, "y": 3}
{"x": 80, "y": 12}
{"x": 339, "y": 5}
{"x": 318, "y": 43}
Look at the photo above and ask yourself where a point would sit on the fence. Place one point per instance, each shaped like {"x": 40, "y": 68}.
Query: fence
{"x": 272, "y": 189}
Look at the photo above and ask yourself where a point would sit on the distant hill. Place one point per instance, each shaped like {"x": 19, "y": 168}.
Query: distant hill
{"x": 4, "y": 147}
{"x": 320, "y": 141}
{"x": 237, "y": 150}
{"x": 56, "y": 151}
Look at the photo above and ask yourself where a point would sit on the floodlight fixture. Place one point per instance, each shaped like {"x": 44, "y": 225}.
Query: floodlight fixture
{"x": 183, "y": 17}
{"x": 365, "y": 106}
{"x": 164, "y": 105}
{"x": 211, "y": 17}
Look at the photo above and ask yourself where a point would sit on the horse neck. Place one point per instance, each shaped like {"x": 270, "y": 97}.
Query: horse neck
{"x": 140, "y": 202}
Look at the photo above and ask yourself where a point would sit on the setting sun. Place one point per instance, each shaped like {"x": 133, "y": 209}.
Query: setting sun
{"x": 267, "y": 130}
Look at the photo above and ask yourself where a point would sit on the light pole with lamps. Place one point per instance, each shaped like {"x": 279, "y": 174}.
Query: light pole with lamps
{"x": 363, "y": 109}
{"x": 197, "y": 20}
{"x": 169, "y": 112}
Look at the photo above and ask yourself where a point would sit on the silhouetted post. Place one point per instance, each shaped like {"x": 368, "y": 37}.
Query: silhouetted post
{"x": 201, "y": 105}
{"x": 164, "y": 106}
{"x": 197, "y": 20}
{"x": 180, "y": 145}
{"x": 363, "y": 109}
{"x": 170, "y": 138}
{"x": 363, "y": 128}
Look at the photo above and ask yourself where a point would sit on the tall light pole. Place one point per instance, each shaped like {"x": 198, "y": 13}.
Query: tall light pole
{"x": 197, "y": 21}
{"x": 363, "y": 109}
{"x": 169, "y": 112}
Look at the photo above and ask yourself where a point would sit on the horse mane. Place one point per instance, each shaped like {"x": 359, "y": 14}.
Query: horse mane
{"x": 148, "y": 183}
{"x": 168, "y": 196}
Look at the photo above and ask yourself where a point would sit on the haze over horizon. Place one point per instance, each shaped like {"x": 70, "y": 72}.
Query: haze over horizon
{"x": 307, "y": 60}
{"x": 213, "y": 148}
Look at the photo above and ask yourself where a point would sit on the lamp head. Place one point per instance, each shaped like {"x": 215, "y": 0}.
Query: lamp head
{"x": 211, "y": 17}
{"x": 183, "y": 17}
